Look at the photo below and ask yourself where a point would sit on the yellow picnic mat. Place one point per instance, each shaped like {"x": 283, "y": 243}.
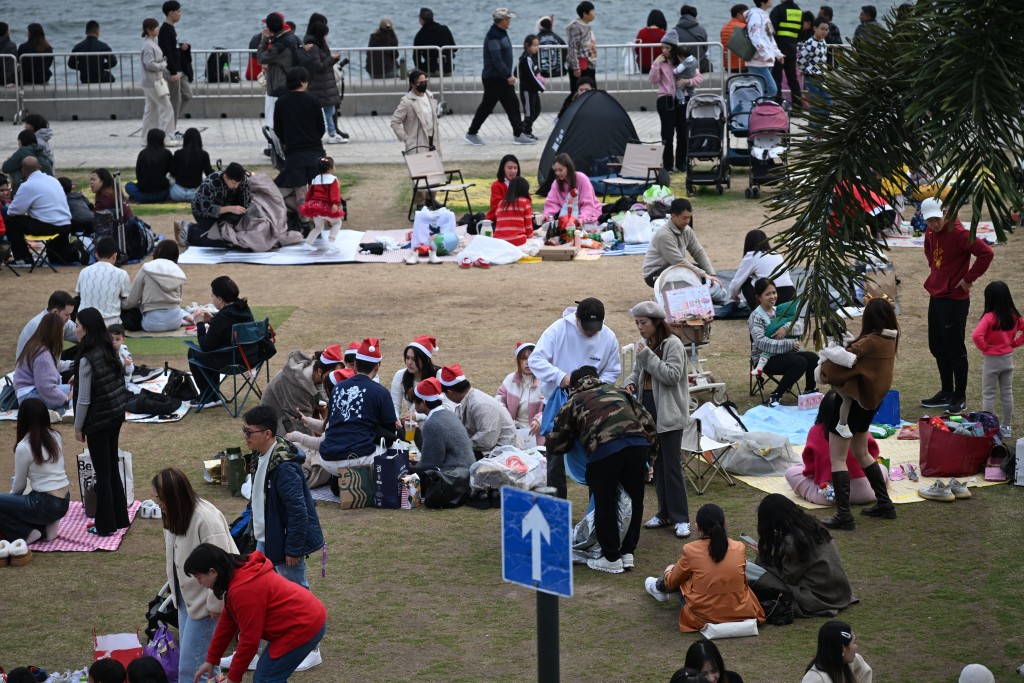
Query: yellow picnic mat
{"x": 904, "y": 452}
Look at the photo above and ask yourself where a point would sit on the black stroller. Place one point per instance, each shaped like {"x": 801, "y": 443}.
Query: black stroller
{"x": 705, "y": 143}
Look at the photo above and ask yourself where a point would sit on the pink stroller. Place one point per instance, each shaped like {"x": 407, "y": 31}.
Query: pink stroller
{"x": 767, "y": 140}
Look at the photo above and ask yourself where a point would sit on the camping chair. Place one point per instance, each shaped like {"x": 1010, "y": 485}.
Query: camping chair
{"x": 429, "y": 175}
{"x": 701, "y": 467}
{"x": 758, "y": 383}
{"x": 5, "y": 258}
{"x": 250, "y": 342}
{"x": 39, "y": 246}
{"x": 640, "y": 166}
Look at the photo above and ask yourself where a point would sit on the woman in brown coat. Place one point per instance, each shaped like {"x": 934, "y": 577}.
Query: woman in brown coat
{"x": 872, "y": 358}
{"x": 415, "y": 120}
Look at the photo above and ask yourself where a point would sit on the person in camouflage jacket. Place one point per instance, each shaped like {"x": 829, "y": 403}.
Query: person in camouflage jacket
{"x": 617, "y": 434}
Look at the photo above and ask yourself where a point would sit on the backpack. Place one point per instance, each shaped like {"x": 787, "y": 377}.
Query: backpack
{"x": 551, "y": 57}
{"x": 8, "y": 396}
{"x": 152, "y": 403}
{"x": 139, "y": 240}
{"x": 300, "y": 54}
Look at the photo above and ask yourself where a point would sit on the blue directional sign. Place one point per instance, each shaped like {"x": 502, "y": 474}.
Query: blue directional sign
{"x": 536, "y": 539}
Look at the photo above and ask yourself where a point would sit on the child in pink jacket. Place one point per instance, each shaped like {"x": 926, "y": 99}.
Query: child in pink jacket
{"x": 999, "y": 332}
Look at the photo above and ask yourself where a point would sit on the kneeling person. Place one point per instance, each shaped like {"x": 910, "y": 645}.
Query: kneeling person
{"x": 487, "y": 422}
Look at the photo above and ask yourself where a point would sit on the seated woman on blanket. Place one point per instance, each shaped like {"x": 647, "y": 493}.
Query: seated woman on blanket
{"x": 520, "y": 393}
{"x": 419, "y": 365}
{"x": 759, "y": 261}
{"x": 39, "y": 463}
{"x": 710, "y": 575}
{"x": 156, "y": 292}
{"x": 507, "y": 170}
{"x": 101, "y": 182}
{"x": 808, "y": 479}
{"x": 571, "y": 190}
{"x": 213, "y": 331}
{"x": 514, "y": 218}
{"x": 297, "y": 387}
{"x": 796, "y": 553}
{"x": 36, "y": 373}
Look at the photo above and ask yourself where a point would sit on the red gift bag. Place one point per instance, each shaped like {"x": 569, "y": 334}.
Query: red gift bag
{"x": 124, "y": 647}
{"x": 944, "y": 454}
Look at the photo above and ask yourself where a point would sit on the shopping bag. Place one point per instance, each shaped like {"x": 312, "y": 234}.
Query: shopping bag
{"x": 388, "y": 470}
{"x": 355, "y": 487}
{"x": 124, "y": 647}
{"x": 163, "y": 647}
{"x": 945, "y": 454}
{"x": 889, "y": 412}
{"x": 87, "y": 475}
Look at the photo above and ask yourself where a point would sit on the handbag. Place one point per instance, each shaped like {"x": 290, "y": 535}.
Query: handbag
{"x": 163, "y": 647}
{"x": 388, "y": 470}
{"x": 945, "y": 454}
{"x": 447, "y": 488}
{"x": 8, "y": 396}
{"x": 180, "y": 386}
{"x": 161, "y": 88}
{"x": 778, "y": 611}
{"x": 739, "y": 44}
{"x": 152, "y": 403}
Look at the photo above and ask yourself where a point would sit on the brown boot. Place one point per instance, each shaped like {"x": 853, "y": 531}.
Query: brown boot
{"x": 843, "y": 519}
{"x": 883, "y": 506}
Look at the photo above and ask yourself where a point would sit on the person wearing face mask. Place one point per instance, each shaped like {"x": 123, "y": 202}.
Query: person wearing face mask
{"x": 415, "y": 119}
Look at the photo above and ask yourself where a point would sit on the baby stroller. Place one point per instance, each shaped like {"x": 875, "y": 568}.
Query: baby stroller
{"x": 691, "y": 313}
{"x": 766, "y": 139}
{"x": 705, "y": 142}
{"x": 743, "y": 91}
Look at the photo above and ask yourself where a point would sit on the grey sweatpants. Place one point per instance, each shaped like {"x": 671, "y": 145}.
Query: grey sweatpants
{"x": 997, "y": 374}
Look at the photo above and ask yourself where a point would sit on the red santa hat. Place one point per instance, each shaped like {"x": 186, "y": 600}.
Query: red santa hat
{"x": 427, "y": 345}
{"x": 428, "y": 390}
{"x": 524, "y": 345}
{"x": 332, "y": 355}
{"x": 452, "y": 375}
{"x": 340, "y": 375}
{"x": 369, "y": 350}
{"x": 351, "y": 350}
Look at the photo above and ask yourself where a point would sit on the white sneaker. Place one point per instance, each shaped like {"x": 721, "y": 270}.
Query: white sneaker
{"x": 651, "y": 584}
{"x": 433, "y": 257}
{"x": 413, "y": 259}
{"x": 656, "y": 523}
{"x": 225, "y": 662}
{"x": 1006, "y": 431}
{"x": 311, "y": 660}
{"x": 603, "y": 565}
{"x": 682, "y": 530}
{"x": 844, "y": 431}
{"x": 627, "y": 560}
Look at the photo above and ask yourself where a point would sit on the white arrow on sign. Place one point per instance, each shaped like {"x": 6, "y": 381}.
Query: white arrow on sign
{"x": 534, "y": 523}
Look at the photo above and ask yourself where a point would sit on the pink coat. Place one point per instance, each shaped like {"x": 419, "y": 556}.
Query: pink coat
{"x": 513, "y": 392}
{"x": 589, "y": 210}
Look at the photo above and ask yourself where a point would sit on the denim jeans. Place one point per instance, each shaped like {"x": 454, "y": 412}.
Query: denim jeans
{"x": 295, "y": 574}
{"x": 815, "y": 90}
{"x": 131, "y": 188}
{"x": 194, "y": 636}
{"x": 329, "y": 120}
{"x": 270, "y": 670}
{"x": 182, "y": 194}
{"x": 19, "y": 515}
{"x": 64, "y": 389}
{"x": 765, "y": 72}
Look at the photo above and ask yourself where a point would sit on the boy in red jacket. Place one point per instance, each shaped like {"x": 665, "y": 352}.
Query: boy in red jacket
{"x": 948, "y": 247}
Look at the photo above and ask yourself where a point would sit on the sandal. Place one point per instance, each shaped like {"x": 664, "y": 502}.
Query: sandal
{"x": 465, "y": 262}
{"x": 482, "y": 263}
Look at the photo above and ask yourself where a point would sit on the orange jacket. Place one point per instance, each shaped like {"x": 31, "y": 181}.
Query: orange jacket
{"x": 715, "y": 592}
{"x": 730, "y": 61}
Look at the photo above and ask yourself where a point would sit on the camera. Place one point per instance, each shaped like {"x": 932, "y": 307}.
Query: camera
{"x": 343, "y": 63}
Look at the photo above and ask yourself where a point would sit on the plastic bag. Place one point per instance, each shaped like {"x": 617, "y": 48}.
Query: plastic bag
{"x": 658, "y": 193}
{"x": 760, "y": 454}
{"x": 636, "y": 229}
{"x": 164, "y": 648}
{"x": 584, "y": 537}
{"x": 509, "y": 466}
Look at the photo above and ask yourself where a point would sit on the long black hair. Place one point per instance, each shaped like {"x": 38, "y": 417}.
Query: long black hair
{"x": 504, "y": 160}
{"x": 999, "y": 302}
{"x": 97, "y": 339}
{"x": 34, "y": 422}
{"x": 146, "y": 669}
{"x": 711, "y": 524}
{"x": 879, "y": 315}
{"x": 777, "y": 518}
{"x": 657, "y": 18}
{"x": 518, "y": 188}
{"x": 427, "y": 369}
{"x": 208, "y": 557}
{"x": 833, "y": 636}
{"x": 756, "y": 241}
{"x": 702, "y": 651}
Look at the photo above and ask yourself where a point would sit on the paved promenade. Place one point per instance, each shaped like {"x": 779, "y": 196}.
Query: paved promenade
{"x": 89, "y": 144}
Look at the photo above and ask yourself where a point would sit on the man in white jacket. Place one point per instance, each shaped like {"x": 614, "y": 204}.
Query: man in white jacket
{"x": 578, "y": 338}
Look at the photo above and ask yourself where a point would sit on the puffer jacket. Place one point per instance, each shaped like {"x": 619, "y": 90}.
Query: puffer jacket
{"x": 108, "y": 395}
{"x": 157, "y": 286}
{"x": 322, "y": 84}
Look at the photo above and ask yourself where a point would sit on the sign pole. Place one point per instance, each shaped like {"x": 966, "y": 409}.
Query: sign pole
{"x": 547, "y": 638}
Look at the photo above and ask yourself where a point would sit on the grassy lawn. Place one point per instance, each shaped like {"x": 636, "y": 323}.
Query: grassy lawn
{"x": 418, "y": 594}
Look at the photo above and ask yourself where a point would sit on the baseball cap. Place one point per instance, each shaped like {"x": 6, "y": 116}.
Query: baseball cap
{"x": 503, "y": 13}
{"x": 931, "y": 208}
{"x": 590, "y": 313}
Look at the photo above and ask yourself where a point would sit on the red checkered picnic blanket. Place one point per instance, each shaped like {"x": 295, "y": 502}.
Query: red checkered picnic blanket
{"x": 74, "y": 536}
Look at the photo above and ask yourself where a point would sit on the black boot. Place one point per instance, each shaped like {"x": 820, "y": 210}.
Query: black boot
{"x": 843, "y": 519}
{"x": 883, "y": 506}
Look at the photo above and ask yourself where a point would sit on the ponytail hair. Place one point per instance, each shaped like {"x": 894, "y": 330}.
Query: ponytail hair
{"x": 711, "y": 523}
{"x": 324, "y": 164}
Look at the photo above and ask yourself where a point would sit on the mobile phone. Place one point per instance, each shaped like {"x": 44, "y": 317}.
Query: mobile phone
{"x": 286, "y": 422}
{"x": 748, "y": 540}
{"x": 291, "y": 413}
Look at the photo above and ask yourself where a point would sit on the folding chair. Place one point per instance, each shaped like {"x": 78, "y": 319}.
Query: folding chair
{"x": 39, "y": 246}
{"x": 5, "y": 259}
{"x": 640, "y": 165}
{"x": 762, "y": 381}
{"x": 701, "y": 467}
{"x": 249, "y": 355}
{"x": 429, "y": 175}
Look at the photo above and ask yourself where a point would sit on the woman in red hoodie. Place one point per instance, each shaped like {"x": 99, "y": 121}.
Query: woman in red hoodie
{"x": 258, "y": 604}
{"x": 949, "y": 247}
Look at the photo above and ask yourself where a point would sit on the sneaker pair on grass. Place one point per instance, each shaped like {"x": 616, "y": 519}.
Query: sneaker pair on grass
{"x": 620, "y": 565}
{"x": 945, "y": 493}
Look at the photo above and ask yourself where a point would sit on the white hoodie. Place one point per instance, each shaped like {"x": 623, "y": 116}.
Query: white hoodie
{"x": 563, "y": 347}
{"x": 157, "y": 286}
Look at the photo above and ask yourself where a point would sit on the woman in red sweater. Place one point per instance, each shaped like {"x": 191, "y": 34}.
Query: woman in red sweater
{"x": 507, "y": 170}
{"x": 514, "y": 218}
{"x": 258, "y": 604}
{"x": 650, "y": 35}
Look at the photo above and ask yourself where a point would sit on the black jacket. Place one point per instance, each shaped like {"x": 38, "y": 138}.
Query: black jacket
{"x": 108, "y": 395}
{"x": 435, "y": 35}
{"x": 217, "y": 334}
{"x": 189, "y": 166}
{"x": 93, "y": 68}
{"x": 299, "y": 122}
{"x": 9, "y": 66}
{"x": 528, "y": 73}
{"x": 151, "y": 169}
{"x": 35, "y": 70}
{"x": 168, "y": 42}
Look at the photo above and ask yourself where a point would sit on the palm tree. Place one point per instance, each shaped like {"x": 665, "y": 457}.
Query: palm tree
{"x": 940, "y": 87}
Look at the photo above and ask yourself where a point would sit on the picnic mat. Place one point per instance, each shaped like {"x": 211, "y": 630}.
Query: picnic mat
{"x": 401, "y": 237}
{"x": 906, "y": 238}
{"x": 74, "y": 537}
{"x": 181, "y": 332}
{"x": 294, "y": 255}
{"x": 324, "y": 493}
{"x": 899, "y": 453}
{"x": 155, "y": 384}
